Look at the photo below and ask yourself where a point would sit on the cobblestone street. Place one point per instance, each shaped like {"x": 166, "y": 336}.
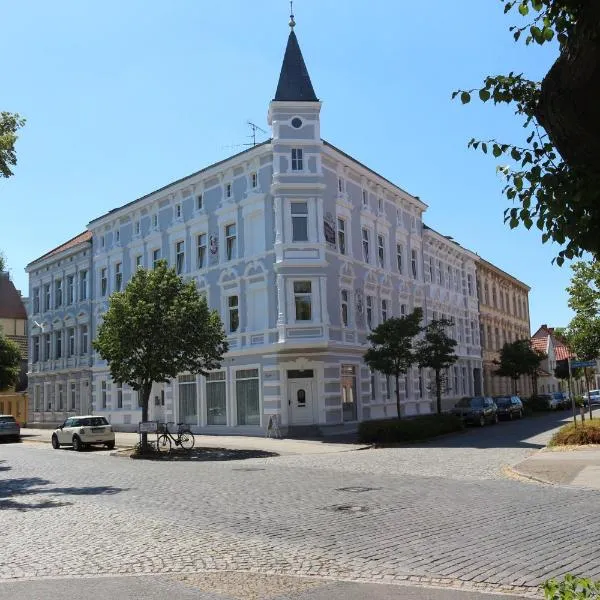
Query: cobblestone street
{"x": 441, "y": 513}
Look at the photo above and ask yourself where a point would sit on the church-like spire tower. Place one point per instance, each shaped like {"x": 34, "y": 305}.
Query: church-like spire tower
{"x": 294, "y": 81}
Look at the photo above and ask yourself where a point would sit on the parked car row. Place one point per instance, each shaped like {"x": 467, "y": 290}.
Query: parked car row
{"x": 481, "y": 410}
{"x": 9, "y": 428}
{"x": 555, "y": 400}
{"x": 594, "y": 396}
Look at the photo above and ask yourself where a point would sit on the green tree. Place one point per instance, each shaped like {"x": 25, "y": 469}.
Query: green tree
{"x": 436, "y": 351}
{"x": 10, "y": 123}
{"x": 10, "y": 363}
{"x": 391, "y": 352}
{"x": 518, "y": 358}
{"x": 2, "y": 262}
{"x": 157, "y": 327}
{"x": 553, "y": 176}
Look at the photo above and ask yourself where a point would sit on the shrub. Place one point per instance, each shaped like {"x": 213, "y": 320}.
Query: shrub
{"x": 587, "y": 432}
{"x": 393, "y": 431}
{"x": 579, "y": 401}
{"x": 535, "y": 404}
{"x": 571, "y": 588}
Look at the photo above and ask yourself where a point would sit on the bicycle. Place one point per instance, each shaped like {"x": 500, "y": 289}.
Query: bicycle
{"x": 185, "y": 438}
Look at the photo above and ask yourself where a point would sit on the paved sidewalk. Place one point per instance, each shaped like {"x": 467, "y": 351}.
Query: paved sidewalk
{"x": 578, "y": 467}
{"x": 233, "y": 442}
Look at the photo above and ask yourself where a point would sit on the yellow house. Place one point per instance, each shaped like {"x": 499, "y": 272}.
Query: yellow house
{"x": 13, "y": 324}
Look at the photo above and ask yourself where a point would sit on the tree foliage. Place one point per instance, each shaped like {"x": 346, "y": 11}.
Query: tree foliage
{"x": 554, "y": 177}
{"x": 518, "y": 358}
{"x": 10, "y": 123}
{"x": 2, "y": 262}
{"x": 10, "y": 363}
{"x": 158, "y": 327}
{"x": 391, "y": 352}
{"x": 436, "y": 351}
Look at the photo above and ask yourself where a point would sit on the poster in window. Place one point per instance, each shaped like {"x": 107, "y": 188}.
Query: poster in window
{"x": 329, "y": 224}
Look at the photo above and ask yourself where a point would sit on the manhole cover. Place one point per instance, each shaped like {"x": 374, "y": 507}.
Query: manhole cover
{"x": 248, "y": 469}
{"x": 349, "y": 508}
{"x": 356, "y": 489}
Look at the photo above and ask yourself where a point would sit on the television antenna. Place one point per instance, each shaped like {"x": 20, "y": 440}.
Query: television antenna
{"x": 254, "y": 127}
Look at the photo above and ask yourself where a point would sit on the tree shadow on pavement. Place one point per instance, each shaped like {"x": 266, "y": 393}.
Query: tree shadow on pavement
{"x": 16, "y": 493}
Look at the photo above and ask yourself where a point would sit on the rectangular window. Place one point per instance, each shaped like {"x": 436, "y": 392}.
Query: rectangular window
{"x": 119, "y": 397}
{"x": 58, "y": 344}
{"x": 216, "y": 399}
{"x": 118, "y": 276}
{"x": 103, "y": 281}
{"x": 254, "y": 180}
{"x": 470, "y": 284}
{"x": 70, "y": 289}
{"x": 179, "y": 257}
{"x": 36, "y": 300}
{"x": 413, "y": 263}
{"x": 365, "y": 244}
{"x": 47, "y": 347}
{"x": 342, "y": 236}
{"x": 71, "y": 341}
{"x": 299, "y": 212}
{"x": 233, "y": 313}
{"x": 380, "y": 205}
{"x": 297, "y": 159}
{"x": 103, "y": 241}
{"x": 72, "y": 396}
{"x": 340, "y": 185}
{"x": 348, "y": 392}
{"x": 228, "y": 190}
{"x": 403, "y": 310}
{"x": 381, "y": 251}
{"x": 155, "y": 221}
{"x": 303, "y": 300}
{"x": 188, "y": 406}
{"x": 84, "y": 339}
{"x": 37, "y": 403}
{"x": 155, "y": 258}
{"x": 103, "y": 393}
{"x": 36, "y": 348}
{"x": 345, "y": 308}
{"x": 247, "y": 397}
{"x": 58, "y": 293}
{"x": 199, "y": 202}
{"x": 201, "y": 252}
{"x": 369, "y": 312}
{"x": 117, "y": 236}
{"x": 365, "y": 198}
{"x": 231, "y": 241}
{"x": 384, "y": 310}
{"x": 137, "y": 228}
{"x": 178, "y": 212}
{"x": 138, "y": 261}
{"x": 83, "y": 285}
{"x": 46, "y": 296}
{"x": 60, "y": 396}
{"x": 399, "y": 252}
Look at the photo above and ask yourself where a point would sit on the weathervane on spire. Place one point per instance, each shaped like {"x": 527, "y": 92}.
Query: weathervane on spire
{"x": 292, "y": 22}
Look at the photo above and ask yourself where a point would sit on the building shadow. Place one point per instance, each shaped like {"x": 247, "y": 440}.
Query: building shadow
{"x": 27, "y": 493}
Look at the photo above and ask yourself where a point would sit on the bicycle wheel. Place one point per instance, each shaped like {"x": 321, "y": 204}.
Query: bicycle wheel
{"x": 163, "y": 443}
{"x": 187, "y": 440}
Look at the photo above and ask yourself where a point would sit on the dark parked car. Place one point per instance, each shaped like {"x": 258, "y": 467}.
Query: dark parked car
{"x": 478, "y": 410}
{"x": 9, "y": 428}
{"x": 509, "y": 407}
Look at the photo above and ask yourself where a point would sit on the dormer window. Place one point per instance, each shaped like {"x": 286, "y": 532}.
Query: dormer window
{"x": 228, "y": 190}
{"x": 199, "y": 202}
{"x": 297, "y": 159}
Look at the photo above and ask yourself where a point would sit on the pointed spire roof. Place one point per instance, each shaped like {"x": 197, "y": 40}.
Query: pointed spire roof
{"x": 294, "y": 81}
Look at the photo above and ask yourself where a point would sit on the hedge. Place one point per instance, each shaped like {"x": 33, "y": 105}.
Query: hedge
{"x": 415, "y": 429}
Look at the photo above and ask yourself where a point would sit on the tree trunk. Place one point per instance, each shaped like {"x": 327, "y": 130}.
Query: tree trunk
{"x": 145, "y": 398}
{"x": 515, "y": 380}
{"x": 438, "y": 391}
{"x": 398, "y": 395}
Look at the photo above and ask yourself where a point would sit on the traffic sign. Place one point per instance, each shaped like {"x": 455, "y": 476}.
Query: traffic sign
{"x": 577, "y": 364}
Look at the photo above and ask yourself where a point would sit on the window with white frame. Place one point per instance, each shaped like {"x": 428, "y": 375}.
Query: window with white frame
{"x": 117, "y": 236}
{"x": 413, "y": 263}
{"x": 137, "y": 228}
{"x": 199, "y": 202}
{"x": 216, "y": 398}
{"x": 47, "y": 295}
{"x": 299, "y": 211}
{"x": 384, "y": 310}
{"x": 341, "y": 235}
{"x": 38, "y": 403}
{"x": 83, "y": 285}
{"x": 119, "y": 396}
{"x": 254, "y": 180}
{"x": 70, "y": 289}
{"x": 188, "y": 406}
{"x": 58, "y": 344}
{"x": 403, "y": 310}
{"x": 36, "y": 348}
{"x": 118, "y": 276}
{"x": 201, "y": 247}
{"x": 178, "y": 211}
{"x": 58, "y": 293}
{"x": 230, "y": 241}
{"x": 380, "y": 205}
{"x": 60, "y": 394}
{"x": 179, "y": 257}
{"x": 365, "y": 244}
{"x": 340, "y": 185}
{"x": 470, "y": 284}
{"x": 155, "y": 257}
{"x": 71, "y": 341}
{"x": 103, "y": 281}
{"x": 138, "y": 261}
{"x": 369, "y": 311}
{"x": 233, "y": 313}
{"x": 381, "y": 251}
{"x": 72, "y": 396}
{"x": 102, "y": 241}
{"x": 228, "y": 190}
{"x": 344, "y": 307}
{"x": 84, "y": 339}
{"x": 399, "y": 257}
{"x": 47, "y": 347}
{"x": 297, "y": 159}
{"x": 365, "y": 198}
{"x": 155, "y": 220}
{"x": 303, "y": 300}
{"x": 103, "y": 394}
{"x": 36, "y": 300}
{"x": 247, "y": 397}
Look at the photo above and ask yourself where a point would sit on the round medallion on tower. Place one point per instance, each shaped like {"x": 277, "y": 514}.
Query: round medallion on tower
{"x": 296, "y": 123}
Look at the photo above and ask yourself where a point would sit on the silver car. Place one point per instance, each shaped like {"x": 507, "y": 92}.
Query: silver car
{"x": 9, "y": 428}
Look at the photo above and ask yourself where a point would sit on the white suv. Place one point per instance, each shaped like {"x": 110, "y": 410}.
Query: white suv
{"x": 80, "y": 432}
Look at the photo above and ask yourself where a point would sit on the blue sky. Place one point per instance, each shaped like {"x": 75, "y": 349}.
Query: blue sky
{"x": 123, "y": 97}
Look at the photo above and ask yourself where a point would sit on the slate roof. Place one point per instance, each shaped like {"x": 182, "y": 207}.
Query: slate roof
{"x": 294, "y": 81}
{"x": 11, "y": 303}
{"x": 85, "y": 236}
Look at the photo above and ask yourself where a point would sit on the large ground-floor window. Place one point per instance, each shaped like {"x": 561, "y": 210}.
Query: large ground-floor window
{"x": 187, "y": 399}
{"x": 348, "y": 381}
{"x": 216, "y": 399}
{"x": 247, "y": 397}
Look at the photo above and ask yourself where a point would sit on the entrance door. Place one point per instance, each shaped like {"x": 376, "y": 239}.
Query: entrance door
{"x": 301, "y": 401}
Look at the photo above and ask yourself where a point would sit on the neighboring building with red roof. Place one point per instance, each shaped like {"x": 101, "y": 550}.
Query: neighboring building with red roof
{"x": 13, "y": 318}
